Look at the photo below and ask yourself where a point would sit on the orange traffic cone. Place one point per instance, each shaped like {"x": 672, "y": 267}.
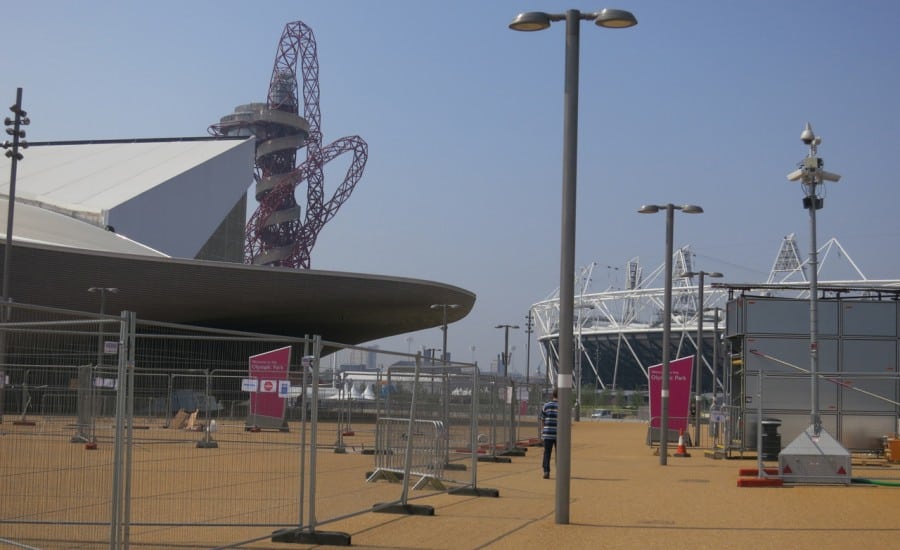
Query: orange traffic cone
{"x": 681, "y": 451}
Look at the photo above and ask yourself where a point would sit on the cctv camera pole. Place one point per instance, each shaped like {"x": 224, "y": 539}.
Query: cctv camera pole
{"x": 812, "y": 202}
{"x": 811, "y": 175}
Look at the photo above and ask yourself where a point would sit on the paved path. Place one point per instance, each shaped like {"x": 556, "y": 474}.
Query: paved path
{"x": 621, "y": 497}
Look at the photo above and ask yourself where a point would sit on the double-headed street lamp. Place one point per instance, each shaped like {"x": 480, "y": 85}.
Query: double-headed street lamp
{"x": 444, "y": 354}
{"x": 505, "y": 358}
{"x": 698, "y": 358}
{"x": 535, "y": 21}
{"x": 667, "y": 317}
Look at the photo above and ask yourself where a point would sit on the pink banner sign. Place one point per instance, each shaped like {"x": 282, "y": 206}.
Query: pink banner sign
{"x": 268, "y": 368}
{"x": 680, "y": 372}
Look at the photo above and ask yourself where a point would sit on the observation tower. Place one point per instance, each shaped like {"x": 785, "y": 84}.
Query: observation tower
{"x": 283, "y": 230}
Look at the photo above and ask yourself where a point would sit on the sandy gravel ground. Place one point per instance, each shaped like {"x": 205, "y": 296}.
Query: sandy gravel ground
{"x": 620, "y": 497}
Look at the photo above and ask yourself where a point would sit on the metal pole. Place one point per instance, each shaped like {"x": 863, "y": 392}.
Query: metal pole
{"x": 715, "y": 366}
{"x": 698, "y": 361}
{"x": 314, "y": 423}
{"x": 667, "y": 328}
{"x": 506, "y": 351}
{"x": 100, "y": 329}
{"x": 304, "y": 367}
{"x": 13, "y": 168}
{"x": 811, "y": 174}
{"x": 504, "y": 357}
{"x": 444, "y": 327}
{"x": 7, "y": 252}
{"x": 579, "y": 350}
{"x": 529, "y": 326}
{"x": 815, "y": 420}
{"x": 567, "y": 269}
{"x": 444, "y": 354}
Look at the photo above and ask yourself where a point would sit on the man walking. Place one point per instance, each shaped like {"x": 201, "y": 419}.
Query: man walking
{"x": 547, "y": 418}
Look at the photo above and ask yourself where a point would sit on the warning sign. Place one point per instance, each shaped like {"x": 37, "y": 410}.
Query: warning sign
{"x": 268, "y": 386}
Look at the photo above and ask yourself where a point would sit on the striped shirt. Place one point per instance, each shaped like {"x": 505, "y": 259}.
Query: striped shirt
{"x": 548, "y": 416}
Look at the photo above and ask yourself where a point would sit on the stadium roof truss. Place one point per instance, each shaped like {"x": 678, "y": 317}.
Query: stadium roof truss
{"x": 618, "y": 333}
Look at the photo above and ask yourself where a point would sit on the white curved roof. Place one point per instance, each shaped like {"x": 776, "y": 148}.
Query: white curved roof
{"x": 169, "y": 194}
{"x": 96, "y": 176}
{"x": 36, "y": 225}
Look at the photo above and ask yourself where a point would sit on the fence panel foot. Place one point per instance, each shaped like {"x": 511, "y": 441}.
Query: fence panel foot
{"x": 407, "y": 509}
{"x": 304, "y": 536}
{"x": 474, "y": 492}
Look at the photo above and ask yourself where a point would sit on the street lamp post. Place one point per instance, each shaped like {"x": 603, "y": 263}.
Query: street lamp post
{"x": 535, "y": 21}
{"x": 529, "y": 329}
{"x": 698, "y": 358}
{"x": 667, "y": 318}
{"x": 715, "y": 369}
{"x": 505, "y": 358}
{"x": 444, "y": 355}
{"x": 102, "y": 291}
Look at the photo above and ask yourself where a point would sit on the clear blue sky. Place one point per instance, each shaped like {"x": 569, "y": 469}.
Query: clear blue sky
{"x": 703, "y": 102}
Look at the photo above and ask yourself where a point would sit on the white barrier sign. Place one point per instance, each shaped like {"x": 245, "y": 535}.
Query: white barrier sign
{"x": 249, "y": 384}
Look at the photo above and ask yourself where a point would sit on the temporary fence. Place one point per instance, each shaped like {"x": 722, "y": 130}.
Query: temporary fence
{"x": 117, "y": 431}
{"x": 476, "y": 410}
{"x": 530, "y": 399}
{"x": 410, "y": 447}
{"x": 499, "y": 406}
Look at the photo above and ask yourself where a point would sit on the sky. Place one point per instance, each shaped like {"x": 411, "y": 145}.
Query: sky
{"x": 701, "y": 103}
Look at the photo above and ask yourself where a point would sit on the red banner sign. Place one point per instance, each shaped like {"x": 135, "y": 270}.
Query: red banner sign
{"x": 680, "y": 372}
{"x": 268, "y": 368}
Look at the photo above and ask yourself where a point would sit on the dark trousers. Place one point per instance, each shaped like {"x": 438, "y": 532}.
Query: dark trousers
{"x": 548, "y": 451}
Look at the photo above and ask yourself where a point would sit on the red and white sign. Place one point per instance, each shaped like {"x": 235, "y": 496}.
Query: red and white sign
{"x": 269, "y": 367}
{"x": 680, "y": 371}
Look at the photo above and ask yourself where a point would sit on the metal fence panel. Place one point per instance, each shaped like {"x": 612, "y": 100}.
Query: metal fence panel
{"x": 118, "y": 431}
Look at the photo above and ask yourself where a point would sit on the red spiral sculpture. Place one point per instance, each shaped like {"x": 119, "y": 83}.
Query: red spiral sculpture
{"x": 280, "y": 232}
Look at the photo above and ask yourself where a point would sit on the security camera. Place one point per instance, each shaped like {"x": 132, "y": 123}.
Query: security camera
{"x": 795, "y": 175}
{"x": 829, "y": 176}
{"x": 807, "y": 136}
